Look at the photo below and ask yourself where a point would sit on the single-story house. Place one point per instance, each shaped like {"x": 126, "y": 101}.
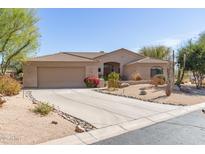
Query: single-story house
{"x": 68, "y": 69}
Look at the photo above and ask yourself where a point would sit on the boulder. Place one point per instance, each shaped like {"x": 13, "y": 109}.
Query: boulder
{"x": 186, "y": 89}
{"x": 177, "y": 88}
{"x": 2, "y": 100}
{"x": 143, "y": 92}
{"x": 54, "y": 122}
{"x": 124, "y": 84}
{"x": 79, "y": 129}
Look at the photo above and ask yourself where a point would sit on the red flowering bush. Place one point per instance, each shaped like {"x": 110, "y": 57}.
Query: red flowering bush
{"x": 92, "y": 81}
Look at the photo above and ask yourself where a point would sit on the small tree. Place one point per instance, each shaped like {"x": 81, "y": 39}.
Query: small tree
{"x": 194, "y": 62}
{"x": 18, "y": 35}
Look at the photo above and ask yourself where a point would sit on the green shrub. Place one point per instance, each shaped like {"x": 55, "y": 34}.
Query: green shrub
{"x": 158, "y": 79}
{"x": 9, "y": 86}
{"x": 113, "y": 80}
{"x": 114, "y": 76}
{"x": 43, "y": 109}
{"x": 105, "y": 78}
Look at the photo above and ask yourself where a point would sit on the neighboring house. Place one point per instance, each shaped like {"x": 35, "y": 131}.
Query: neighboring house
{"x": 68, "y": 69}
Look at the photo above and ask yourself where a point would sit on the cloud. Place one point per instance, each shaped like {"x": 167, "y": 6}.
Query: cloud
{"x": 170, "y": 42}
{"x": 174, "y": 41}
{"x": 178, "y": 40}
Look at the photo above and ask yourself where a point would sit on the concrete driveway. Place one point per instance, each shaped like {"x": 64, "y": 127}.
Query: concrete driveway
{"x": 101, "y": 110}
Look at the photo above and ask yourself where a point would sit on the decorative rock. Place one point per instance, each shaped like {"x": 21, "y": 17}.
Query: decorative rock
{"x": 54, "y": 122}
{"x": 2, "y": 100}
{"x": 124, "y": 84}
{"x": 79, "y": 129}
{"x": 185, "y": 89}
{"x": 176, "y": 88}
{"x": 142, "y": 88}
{"x": 143, "y": 92}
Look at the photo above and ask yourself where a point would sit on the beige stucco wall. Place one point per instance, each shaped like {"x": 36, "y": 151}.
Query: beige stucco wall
{"x": 121, "y": 56}
{"x": 143, "y": 70}
{"x": 30, "y": 70}
{"x": 30, "y": 75}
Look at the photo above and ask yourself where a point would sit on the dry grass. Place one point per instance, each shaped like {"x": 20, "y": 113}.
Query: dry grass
{"x": 9, "y": 86}
{"x": 19, "y": 125}
{"x": 157, "y": 94}
{"x": 43, "y": 109}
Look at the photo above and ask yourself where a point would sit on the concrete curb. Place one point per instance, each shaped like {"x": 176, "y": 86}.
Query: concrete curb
{"x": 115, "y": 130}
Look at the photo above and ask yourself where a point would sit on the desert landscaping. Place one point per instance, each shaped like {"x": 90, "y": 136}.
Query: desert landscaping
{"x": 43, "y": 96}
{"x": 157, "y": 94}
{"x": 20, "y": 125}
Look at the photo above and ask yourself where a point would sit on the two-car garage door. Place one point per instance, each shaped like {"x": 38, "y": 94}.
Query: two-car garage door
{"x": 61, "y": 77}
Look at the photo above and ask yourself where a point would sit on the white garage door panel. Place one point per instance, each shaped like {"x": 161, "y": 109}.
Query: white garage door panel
{"x": 61, "y": 77}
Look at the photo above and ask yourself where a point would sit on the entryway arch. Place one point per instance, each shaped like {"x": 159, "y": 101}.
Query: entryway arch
{"x": 111, "y": 67}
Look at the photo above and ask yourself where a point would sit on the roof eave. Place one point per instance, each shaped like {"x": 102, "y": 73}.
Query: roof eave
{"x": 134, "y": 53}
{"x": 91, "y": 61}
{"x": 145, "y": 63}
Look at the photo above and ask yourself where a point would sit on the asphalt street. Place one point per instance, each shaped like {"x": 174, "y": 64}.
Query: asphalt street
{"x": 188, "y": 129}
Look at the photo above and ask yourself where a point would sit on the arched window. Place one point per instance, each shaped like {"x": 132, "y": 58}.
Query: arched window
{"x": 156, "y": 70}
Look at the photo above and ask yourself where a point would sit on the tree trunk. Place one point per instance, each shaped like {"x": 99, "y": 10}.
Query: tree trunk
{"x": 197, "y": 79}
{"x": 3, "y": 69}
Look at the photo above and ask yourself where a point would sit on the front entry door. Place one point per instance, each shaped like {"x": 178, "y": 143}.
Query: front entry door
{"x": 111, "y": 67}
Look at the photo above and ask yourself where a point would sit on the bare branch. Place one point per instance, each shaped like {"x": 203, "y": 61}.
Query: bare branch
{"x": 13, "y": 55}
{"x": 8, "y": 38}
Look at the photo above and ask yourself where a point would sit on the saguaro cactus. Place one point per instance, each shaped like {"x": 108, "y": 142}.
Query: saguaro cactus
{"x": 170, "y": 79}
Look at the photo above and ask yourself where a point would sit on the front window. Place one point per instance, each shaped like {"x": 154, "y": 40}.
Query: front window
{"x": 156, "y": 71}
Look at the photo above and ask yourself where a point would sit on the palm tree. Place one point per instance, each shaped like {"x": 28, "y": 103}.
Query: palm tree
{"x": 159, "y": 52}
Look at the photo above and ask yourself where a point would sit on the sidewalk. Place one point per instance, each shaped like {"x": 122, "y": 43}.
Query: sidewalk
{"x": 125, "y": 127}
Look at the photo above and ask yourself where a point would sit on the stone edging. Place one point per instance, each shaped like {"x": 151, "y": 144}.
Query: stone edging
{"x": 87, "y": 126}
{"x": 134, "y": 97}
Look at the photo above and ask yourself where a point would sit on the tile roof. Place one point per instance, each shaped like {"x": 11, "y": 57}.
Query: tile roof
{"x": 87, "y": 54}
{"x": 62, "y": 57}
{"x": 90, "y": 57}
{"x": 128, "y": 51}
{"x": 149, "y": 60}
